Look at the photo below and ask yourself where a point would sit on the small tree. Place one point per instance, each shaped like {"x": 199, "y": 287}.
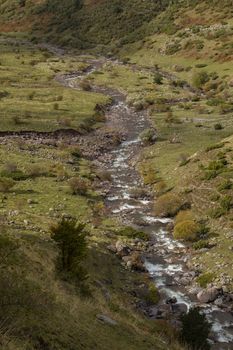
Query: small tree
{"x": 158, "y": 78}
{"x": 195, "y": 330}
{"x": 71, "y": 239}
{"x": 200, "y": 79}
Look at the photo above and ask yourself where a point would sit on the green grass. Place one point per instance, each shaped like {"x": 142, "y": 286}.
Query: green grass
{"x": 34, "y": 100}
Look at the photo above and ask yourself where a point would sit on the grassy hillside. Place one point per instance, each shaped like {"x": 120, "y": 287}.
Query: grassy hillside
{"x": 82, "y": 24}
{"x": 95, "y": 24}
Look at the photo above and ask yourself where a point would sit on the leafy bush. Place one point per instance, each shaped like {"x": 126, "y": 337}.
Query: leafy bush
{"x": 70, "y": 237}
{"x": 158, "y": 78}
{"x": 148, "y": 136}
{"x": 205, "y": 279}
{"x": 226, "y": 203}
{"x": 200, "y": 79}
{"x": 153, "y": 294}
{"x": 56, "y": 106}
{"x": 215, "y": 167}
{"x": 218, "y": 126}
{"x": 168, "y": 205}
{"x": 201, "y": 244}
{"x": 217, "y": 213}
{"x": 76, "y": 152}
{"x": 225, "y": 185}
{"x": 195, "y": 330}
{"x": 187, "y": 230}
{"x": 78, "y": 185}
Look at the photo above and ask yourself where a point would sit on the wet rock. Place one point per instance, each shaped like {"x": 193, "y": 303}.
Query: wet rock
{"x": 153, "y": 312}
{"x": 171, "y": 300}
{"x": 219, "y": 302}
{"x": 185, "y": 281}
{"x": 106, "y": 319}
{"x": 179, "y": 308}
{"x": 164, "y": 311}
{"x": 195, "y": 290}
{"x": 208, "y": 295}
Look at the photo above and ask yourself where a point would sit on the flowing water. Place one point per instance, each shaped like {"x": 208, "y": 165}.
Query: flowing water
{"x": 167, "y": 257}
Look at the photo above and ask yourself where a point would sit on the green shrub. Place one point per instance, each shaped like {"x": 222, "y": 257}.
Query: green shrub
{"x": 226, "y": 203}
{"x": 187, "y": 230}
{"x": 153, "y": 294}
{"x": 78, "y": 185}
{"x": 195, "y": 330}
{"x": 217, "y": 213}
{"x": 148, "y": 136}
{"x": 76, "y": 152}
{"x": 158, "y": 78}
{"x": 214, "y": 168}
{"x": 205, "y": 279}
{"x": 70, "y": 237}
{"x": 168, "y": 205}
{"x": 201, "y": 244}
{"x": 225, "y": 185}
{"x": 218, "y": 126}
{"x": 200, "y": 79}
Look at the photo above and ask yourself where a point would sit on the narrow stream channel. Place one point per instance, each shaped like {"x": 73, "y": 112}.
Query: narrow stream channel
{"x": 167, "y": 257}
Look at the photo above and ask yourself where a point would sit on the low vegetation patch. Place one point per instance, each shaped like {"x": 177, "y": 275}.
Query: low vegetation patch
{"x": 205, "y": 279}
{"x": 132, "y": 233}
{"x": 168, "y": 205}
{"x": 187, "y": 230}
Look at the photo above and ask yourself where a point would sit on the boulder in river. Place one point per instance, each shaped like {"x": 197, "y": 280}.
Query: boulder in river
{"x": 171, "y": 300}
{"x": 208, "y": 295}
